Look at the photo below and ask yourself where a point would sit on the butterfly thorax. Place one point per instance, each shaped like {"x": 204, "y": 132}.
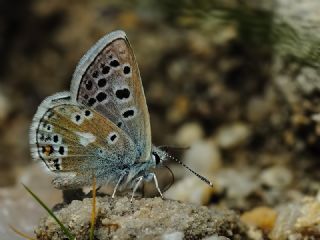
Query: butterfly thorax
{"x": 156, "y": 157}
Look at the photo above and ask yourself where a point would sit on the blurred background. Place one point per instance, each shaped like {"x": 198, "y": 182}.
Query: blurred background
{"x": 237, "y": 81}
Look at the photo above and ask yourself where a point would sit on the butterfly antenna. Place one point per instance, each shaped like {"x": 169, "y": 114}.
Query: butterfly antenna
{"x": 195, "y": 173}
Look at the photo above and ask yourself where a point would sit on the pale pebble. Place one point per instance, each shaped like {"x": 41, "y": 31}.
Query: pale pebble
{"x": 191, "y": 190}
{"x": 231, "y": 136}
{"x": 276, "y": 177}
{"x": 173, "y": 236}
{"x": 204, "y": 156}
{"x": 189, "y": 133}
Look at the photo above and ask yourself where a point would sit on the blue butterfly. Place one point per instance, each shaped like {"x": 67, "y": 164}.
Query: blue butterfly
{"x": 102, "y": 126}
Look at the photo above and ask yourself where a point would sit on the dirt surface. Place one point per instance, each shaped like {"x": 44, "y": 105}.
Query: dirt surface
{"x": 146, "y": 218}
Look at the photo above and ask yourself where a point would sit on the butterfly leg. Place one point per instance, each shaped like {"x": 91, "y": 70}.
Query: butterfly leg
{"x": 136, "y": 187}
{"x": 156, "y": 183}
{"x": 117, "y": 185}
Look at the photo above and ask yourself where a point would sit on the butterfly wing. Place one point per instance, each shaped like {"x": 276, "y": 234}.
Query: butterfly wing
{"x": 107, "y": 79}
{"x": 72, "y": 138}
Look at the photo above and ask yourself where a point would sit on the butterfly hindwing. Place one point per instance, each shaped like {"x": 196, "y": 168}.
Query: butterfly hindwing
{"x": 70, "y": 137}
{"x": 107, "y": 79}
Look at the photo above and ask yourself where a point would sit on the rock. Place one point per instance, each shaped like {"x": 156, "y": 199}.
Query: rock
{"x": 204, "y": 156}
{"x": 276, "y": 177}
{"x": 147, "y": 218}
{"x": 173, "y": 236}
{"x": 299, "y": 220}
{"x": 238, "y": 184}
{"x": 233, "y": 135}
{"x": 189, "y": 133}
{"x": 192, "y": 190}
{"x": 261, "y": 217}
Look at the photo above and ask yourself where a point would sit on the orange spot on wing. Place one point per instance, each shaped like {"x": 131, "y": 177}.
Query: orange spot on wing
{"x": 48, "y": 150}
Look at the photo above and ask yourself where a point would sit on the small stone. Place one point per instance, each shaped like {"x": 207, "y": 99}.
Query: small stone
{"x": 204, "y": 156}
{"x": 233, "y": 135}
{"x": 255, "y": 233}
{"x": 300, "y": 218}
{"x": 276, "y": 177}
{"x": 316, "y": 117}
{"x": 261, "y": 217}
{"x": 189, "y": 133}
{"x": 238, "y": 183}
{"x": 192, "y": 190}
{"x": 173, "y": 236}
{"x": 310, "y": 215}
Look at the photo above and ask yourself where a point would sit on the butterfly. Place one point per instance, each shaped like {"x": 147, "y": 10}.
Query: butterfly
{"x": 101, "y": 126}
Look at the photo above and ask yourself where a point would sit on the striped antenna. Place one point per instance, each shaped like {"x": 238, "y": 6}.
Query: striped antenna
{"x": 195, "y": 173}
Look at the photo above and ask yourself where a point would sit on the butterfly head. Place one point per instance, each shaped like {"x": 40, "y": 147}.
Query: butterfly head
{"x": 158, "y": 156}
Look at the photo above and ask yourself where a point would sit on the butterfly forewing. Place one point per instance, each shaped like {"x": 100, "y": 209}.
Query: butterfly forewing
{"x": 74, "y": 138}
{"x": 107, "y": 79}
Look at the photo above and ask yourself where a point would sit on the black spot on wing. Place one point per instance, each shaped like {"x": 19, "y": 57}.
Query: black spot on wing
{"x": 55, "y": 138}
{"x": 57, "y": 166}
{"x": 87, "y": 113}
{"x": 61, "y": 150}
{"x": 114, "y": 63}
{"x": 95, "y": 74}
{"x": 128, "y": 113}
{"x": 105, "y": 69}
{"x": 78, "y": 117}
{"x": 101, "y": 96}
{"x": 126, "y": 70}
{"x": 102, "y": 82}
{"x": 123, "y": 93}
{"x": 113, "y": 137}
{"x": 91, "y": 102}
{"x": 89, "y": 85}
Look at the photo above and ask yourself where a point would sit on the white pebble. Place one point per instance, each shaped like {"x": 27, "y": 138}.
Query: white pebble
{"x": 188, "y": 134}
{"x": 173, "y": 236}
{"x": 233, "y": 135}
{"x": 276, "y": 177}
{"x": 203, "y": 156}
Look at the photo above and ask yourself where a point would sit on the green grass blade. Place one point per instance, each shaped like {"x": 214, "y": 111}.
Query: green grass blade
{"x": 63, "y": 228}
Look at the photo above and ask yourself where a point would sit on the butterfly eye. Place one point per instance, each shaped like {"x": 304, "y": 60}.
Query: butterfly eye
{"x": 156, "y": 158}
